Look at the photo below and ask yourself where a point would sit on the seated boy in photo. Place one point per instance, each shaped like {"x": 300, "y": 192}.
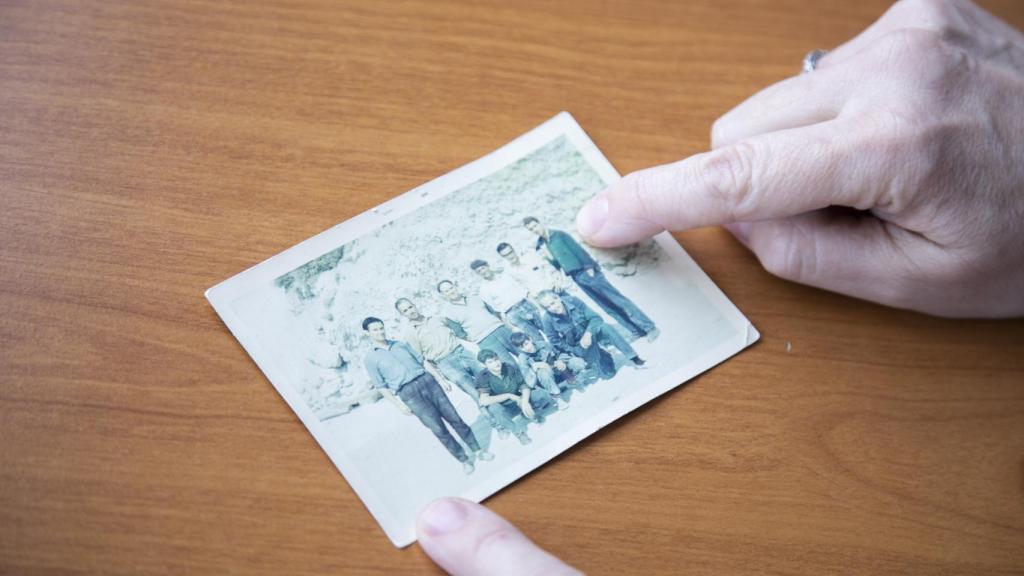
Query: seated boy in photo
{"x": 503, "y": 384}
{"x": 556, "y": 372}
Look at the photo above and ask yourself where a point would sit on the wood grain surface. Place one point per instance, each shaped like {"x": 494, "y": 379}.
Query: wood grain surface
{"x": 149, "y": 150}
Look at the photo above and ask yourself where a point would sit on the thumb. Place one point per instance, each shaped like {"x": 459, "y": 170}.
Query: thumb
{"x": 466, "y": 538}
{"x": 857, "y": 255}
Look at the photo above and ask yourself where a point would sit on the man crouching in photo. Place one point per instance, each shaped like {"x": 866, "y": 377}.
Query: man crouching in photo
{"x": 557, "y": 373}
{"x": 397, "y": 371}
{"x": 574, "y": 328}
{"x": 503, "y": 384}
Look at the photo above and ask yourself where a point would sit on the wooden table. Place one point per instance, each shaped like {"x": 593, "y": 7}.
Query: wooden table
{"x": 149, "y": 150}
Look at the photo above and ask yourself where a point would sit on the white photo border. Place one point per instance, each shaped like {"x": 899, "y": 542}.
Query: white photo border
{"x": 402, "y": 533}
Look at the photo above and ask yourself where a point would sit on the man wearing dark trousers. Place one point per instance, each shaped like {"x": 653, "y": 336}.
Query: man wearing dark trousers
{"x": 510, "y": 299}
{"x": 554, "y": 371}
{"x": 574, "y": 328}
{"x": 397, "y": 371}
{"x": 566, "y": 254}
{"x": 503, "y": 385}
{"x": 472, "y": 320}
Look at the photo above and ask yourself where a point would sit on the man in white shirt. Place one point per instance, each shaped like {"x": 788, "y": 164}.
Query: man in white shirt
{"x": 471, "y": 320}
{"x": 433, "y": 339}
{"x": 532, "y": 271}
{"x": 509, "y": 299}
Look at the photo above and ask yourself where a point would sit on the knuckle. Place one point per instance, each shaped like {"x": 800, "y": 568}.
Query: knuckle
{"x": 492, "y": 542}
{"x": 639, "y": 187}
{"x": 891, "y": 126}
{"x": 910, "y": 149}
{"x": 924, "y": 57}
{"x": 719, "y": 132}
{"x": 909, "y": 46}
{"x": 937, "y": 15}
{"x": 728, "y": 177}
{"x": 889, "y": 133}
{"x": 784, "y": 254}
{"x": 919, "y": 8}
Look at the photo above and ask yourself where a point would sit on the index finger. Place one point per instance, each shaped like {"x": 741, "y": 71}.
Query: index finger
{"x": 772, "y": 175}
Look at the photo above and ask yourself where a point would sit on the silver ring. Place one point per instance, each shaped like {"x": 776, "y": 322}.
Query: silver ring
{"x": 811, "y": 60}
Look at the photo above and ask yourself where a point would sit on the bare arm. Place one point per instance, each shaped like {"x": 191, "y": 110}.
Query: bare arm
{"x": 395, "y": 400}
{"x": 487, "y": 399}
{"x": 431, "y": 369}
{"x": 524, "y": 403}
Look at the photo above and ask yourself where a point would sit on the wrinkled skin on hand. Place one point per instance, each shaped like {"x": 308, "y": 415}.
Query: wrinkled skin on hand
{"x": 916, "y": 126}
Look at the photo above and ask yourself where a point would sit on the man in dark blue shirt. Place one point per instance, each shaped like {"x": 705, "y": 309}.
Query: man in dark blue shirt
{"x": 566, "y": 254}
{"x": 555, "y": 371}
{"x": 397, "y": 371}
{"x": 501, "y": 384}
{"x": 574, "y": 328}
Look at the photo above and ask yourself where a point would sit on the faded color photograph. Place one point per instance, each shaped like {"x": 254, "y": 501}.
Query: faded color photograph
{"x": 458, "y": 346}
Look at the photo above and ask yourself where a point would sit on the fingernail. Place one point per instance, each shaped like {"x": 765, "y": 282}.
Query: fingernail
{"x": 443, "y": 516}
{"x": 593, "y": 216}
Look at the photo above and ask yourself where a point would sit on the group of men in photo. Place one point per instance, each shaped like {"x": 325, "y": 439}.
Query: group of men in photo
{"x": 536, "y": 343}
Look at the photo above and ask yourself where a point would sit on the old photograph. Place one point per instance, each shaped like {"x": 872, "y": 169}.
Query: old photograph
{"x": 459, "y": 336}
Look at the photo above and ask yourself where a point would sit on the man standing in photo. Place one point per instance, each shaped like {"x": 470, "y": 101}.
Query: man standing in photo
{"x": 565, "y": 253}
{"x": 574, "y": 328}
{"x": 509, "y": 299}
{"x": 433, "y": 340}
{"x": 532, "y": 271}
{"x": 397, "y": 371}
{"x": 472, "y": 320}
